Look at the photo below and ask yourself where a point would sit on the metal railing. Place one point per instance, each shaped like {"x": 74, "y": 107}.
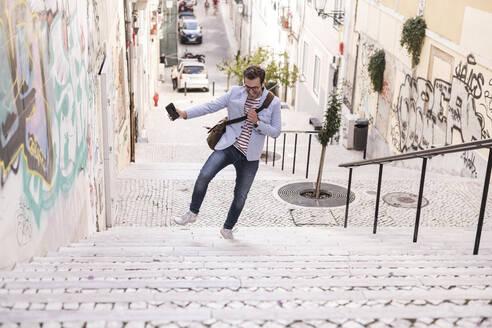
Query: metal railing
{"x": 296, "y": 133}
{"x": 425, "y": 155}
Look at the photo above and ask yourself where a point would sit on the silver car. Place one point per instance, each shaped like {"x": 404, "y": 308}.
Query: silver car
{"x": 191, "y": 32}
{"x": 193, "y": 75}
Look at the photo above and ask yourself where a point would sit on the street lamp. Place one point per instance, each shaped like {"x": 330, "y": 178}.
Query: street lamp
{"x": 337, "y": 15}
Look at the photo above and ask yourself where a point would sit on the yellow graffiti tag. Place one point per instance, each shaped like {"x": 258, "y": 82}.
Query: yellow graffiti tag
{"x": 36, "y": 151}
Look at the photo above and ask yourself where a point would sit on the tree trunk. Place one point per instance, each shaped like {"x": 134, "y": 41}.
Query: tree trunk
{"x": 228, "y": 81}
{"x": 320, "y": 172}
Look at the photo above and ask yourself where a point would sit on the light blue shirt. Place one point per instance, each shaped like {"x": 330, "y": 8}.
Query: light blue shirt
{"x": 269, "y": 119}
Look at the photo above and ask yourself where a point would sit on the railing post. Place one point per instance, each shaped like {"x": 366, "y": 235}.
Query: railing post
{"x": 419, "y": 202}
{"x": 348, "y": 198}
{"x": 283, "y": 152}
{"x": 484, "y": 202}
{"x": 274, "y": 150}
{"x": 266, "y": 157}
{"x": 295, "y": 152}
{"x": 377, "y": 199}
{"x": 309, "y": 153}
{"x": 185, "y": 89}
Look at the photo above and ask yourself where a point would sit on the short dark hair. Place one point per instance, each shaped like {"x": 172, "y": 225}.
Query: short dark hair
{"x": 253, "y": 71}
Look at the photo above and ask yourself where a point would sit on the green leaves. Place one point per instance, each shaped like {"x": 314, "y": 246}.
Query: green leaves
{"x": 277, "y": 70}
{"x": 331, "y": 123}
{"x": 412, "y": 37}
{"x": 377, "y": 64}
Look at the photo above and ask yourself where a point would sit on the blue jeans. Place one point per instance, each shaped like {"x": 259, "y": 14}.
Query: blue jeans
{"x": 245, "y": 174}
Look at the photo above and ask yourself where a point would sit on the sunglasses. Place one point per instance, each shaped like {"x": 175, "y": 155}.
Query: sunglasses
{"x": 255, "y": 88}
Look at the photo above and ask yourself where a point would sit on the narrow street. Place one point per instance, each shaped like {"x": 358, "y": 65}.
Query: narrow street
{"x": 93, "y": 172}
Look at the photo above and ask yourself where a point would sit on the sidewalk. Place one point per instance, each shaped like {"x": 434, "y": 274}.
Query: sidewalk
{"x": 158, "y": 185}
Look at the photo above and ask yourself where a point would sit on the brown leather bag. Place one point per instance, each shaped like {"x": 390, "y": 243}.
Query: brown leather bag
{"x": 216, "y": 132}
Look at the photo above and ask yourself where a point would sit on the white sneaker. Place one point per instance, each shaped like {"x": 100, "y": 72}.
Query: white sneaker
{"x": 188, "y": 217}
{"x": 226, "y": 233}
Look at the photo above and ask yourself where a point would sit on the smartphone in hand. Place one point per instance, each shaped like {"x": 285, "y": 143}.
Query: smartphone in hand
{"x": 171, "y": 110}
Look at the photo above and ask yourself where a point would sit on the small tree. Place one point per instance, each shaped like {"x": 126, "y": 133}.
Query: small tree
{"x": 276, "y": 71}
{"x": 232, "y": 67}
{"x": 331, "y": 124}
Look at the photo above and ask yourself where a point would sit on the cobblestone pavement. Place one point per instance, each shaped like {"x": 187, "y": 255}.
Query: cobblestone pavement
{"x": 154, "y": 202}
{"x": 159, "y": 185}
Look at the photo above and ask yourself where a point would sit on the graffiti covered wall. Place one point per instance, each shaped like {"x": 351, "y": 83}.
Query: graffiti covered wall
{"x": 448, "y": 106}
{"x": 430, "y": 112}
{"x": 50, "y": 155}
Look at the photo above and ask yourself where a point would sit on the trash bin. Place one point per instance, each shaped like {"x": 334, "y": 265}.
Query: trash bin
{"x": 360, "y": 133}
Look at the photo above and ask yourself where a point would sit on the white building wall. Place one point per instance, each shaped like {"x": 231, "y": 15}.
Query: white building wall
{"x": 52, "y": 191}
{"x": 146, "y": 61}
{"x": 323, "y": 40}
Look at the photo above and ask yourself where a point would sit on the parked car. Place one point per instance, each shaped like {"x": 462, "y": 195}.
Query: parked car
{"x": 184, "y": 15}
{"x": 192, "y": 73}
{"x": 191, "y": 32}
{"x": 185, "y": 5}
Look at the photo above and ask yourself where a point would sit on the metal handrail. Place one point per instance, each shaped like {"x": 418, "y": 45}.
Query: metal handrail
{"x": 425, "y": 155}
{"x": 295, "y": 132}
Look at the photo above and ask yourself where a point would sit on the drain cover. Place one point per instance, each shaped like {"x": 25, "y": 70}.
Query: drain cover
{"x": 333, "y": 195}
{"x": 403, "y": 199}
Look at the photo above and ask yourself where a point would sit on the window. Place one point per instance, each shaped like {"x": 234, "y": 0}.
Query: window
{"x": 193, "y": 69}
{"x": 190, "y": 25}
{"x": 317, "y": 68}
{"x": 305, "y": 58}
{"x": 299, "y": 6}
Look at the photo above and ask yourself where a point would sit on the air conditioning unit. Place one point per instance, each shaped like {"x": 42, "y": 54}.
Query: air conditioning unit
{"x": 348, "y": 123}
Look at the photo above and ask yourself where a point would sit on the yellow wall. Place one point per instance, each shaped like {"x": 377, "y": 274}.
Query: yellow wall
{"x": 408, "y": 8}
{"x": 446, "y": 17}
{"x": 391, "y": 4}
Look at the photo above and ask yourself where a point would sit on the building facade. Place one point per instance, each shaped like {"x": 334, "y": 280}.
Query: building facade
{"x": 445, "y": 99}
{"x": 65, "y": 119}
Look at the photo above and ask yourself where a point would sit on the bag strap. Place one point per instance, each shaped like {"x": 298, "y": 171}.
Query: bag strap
{"x": 266, "y": 103}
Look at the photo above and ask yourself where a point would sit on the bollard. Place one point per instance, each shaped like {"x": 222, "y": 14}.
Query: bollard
{"x": 185, "y": 89}
{"x": 213, "y": 88}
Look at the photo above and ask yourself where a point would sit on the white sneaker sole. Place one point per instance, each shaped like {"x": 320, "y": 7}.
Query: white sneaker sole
{"x": 183, "y": 223}
{"x": 225, "y": 236}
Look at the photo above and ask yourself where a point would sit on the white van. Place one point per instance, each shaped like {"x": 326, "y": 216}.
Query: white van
{"x": 193, "y": 75}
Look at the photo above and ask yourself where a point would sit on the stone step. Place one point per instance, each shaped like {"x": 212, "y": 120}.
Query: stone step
{"x": 235, "y": 283}
{"x": 248, "y": 237}
{"x": 336, "y": 230}
{"x": 292, "y": 266}
{"x": 331, "y": 248}
{"x": 240, "y": 272}
{"x": 326, "y": 241}
{"x": 369, "y": 265}
{"x": 247, "y": 252}
{"x": 77, "y": 295}
{"x": 382, "y": 257}
{"x": 444, "y": 310}
{"x": 292, "y": 240}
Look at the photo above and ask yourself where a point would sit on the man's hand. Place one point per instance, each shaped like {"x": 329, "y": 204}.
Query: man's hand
{"x": 253, "y": 115}
{"x": 182, "y": 114}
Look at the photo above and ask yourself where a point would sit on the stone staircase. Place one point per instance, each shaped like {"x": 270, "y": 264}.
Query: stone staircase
{"x": 267, "y": 277}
